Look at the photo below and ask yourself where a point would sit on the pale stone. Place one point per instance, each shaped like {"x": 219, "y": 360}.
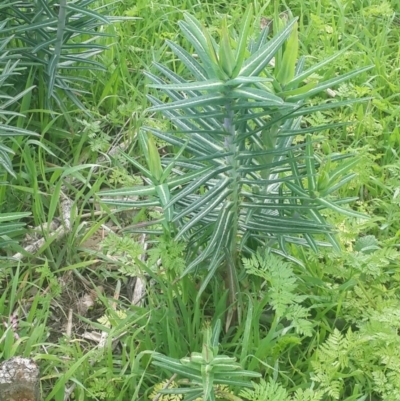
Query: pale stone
{"x": 19, "y": 380}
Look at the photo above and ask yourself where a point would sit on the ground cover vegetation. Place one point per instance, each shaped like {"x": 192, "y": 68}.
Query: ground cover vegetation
{"x": 200, "y": 200}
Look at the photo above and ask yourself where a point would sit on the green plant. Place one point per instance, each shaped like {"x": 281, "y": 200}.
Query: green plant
{"x": 356, "y": 289}
{"x": 9, "y": 72}
{"x": 272, "y": 390}
{"x": 9, "y": 228}
{"x": 205, "y": 370}
{"x": 50, "y": 39}
{"x": 247, "y": 184}
{"x": 285, "y": 312}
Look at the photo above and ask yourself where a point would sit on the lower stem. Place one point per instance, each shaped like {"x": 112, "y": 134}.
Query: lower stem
{"x": 231, "y": 280}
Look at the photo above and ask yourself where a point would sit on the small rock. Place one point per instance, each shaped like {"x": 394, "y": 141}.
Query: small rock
{"x": 19, "y": 380}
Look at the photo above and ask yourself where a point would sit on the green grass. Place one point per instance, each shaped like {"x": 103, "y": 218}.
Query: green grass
{"x": 352, "y": 298}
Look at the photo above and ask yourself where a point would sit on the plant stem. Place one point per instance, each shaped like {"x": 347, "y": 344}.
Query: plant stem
{"x": 231, "y": 260}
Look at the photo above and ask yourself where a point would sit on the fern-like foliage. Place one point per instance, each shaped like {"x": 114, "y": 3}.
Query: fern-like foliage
{"x": 369, "y": 358}
{"x": 272, "y": 390}
{"x": 170, "y": 253}
{"x": 334, "y": 362}
{"x": 124, "y": 251}
{"x": 282, "y": 285}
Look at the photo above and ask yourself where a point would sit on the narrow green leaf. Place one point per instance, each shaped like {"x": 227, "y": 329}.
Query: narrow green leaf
{"x": 236, "y": 382}
{"x": 289, "y": 59}
{"x": 190, "y": 62}
{"x": 298, "y": 91}
{"x": 10, "y": 229}
{"x": 209, "y": 85}
{"x": 197, "y": 30}
{"x": 209, "y": 174}
{"x": 225, "y": 56}
{"x": 259, "y": 60}
{"x": 33, "y": 26}
{"x": 54, "y": 202}
{"x": 258, "y": 95}
{"x": 310, "y": 165}
{"x": 200, "y": 39}
{"x": 330, "y": 83}
{"x": 5, "y": 162}
{"x": 336, "y": 208}
{"x": 53, "y": 63}
{"x": 237, "y": 373}
{"x": 179, "y": 369}
{"x": 154, "y": 161}
{"x": 137, "y": 165}
{"x": 284, "y": 225}
{"x": 312, "y": 130}
{"x": 333, "y": 188}
{"x": 316, "y": 67}
{"x": 221, "y": 225}
{"x": 126, "y": 203}
{"x": 301, "y": 111}
{"x": 70, "y": 372}
{"x": 343, "y": 168}
{"x": 246, "y": 80}
{"x": 168, "y": 169}
{"x": 204, "y": 199}
{"x": 188, "y": 103}
{"x": 135, "y": 191}
{"x": 261, "y": 41}
{"x": 144, "y": 145}
{"x": 13, "y": 216}
{"x": 204, "y": 212}
{"x": 296, "y": 189}
{"x": 275, "y": 206}
{"x": 246, "y": 345}
{"x": 182, "y": 180}
{"x": 15, "y": 99}
{"x": 164, "y": 196}
{"x": 214, "y": 339}
{"x": 242, "y": 43}
{"x": 86, "y": 11}
{"x": 317, "y": 216}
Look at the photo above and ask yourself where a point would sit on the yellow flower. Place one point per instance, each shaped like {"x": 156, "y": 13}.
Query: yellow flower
{"x": 221, "y": 392}
{"x": 165, "y": 397}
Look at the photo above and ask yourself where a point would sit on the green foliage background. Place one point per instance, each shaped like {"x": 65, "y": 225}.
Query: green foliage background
{"x": 322, "y": 329}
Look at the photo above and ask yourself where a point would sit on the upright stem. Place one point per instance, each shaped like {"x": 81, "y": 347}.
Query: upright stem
{"x": 231, "y": 260}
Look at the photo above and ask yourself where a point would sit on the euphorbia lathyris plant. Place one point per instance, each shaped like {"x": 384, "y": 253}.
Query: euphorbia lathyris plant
{"x": 241, "y": 182}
